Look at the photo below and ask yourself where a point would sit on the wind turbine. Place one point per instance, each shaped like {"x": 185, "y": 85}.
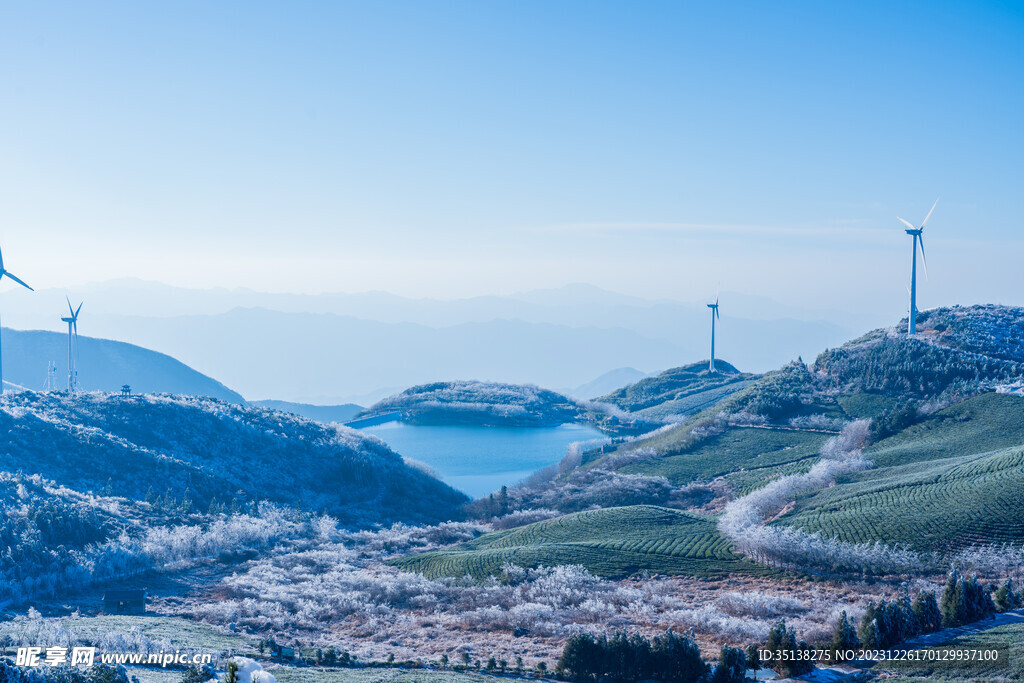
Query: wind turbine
{"x": 4, "y": 271}
{"x": 916, "y": 233}
{"x": 72, "y": 321}
{"x": 714, "y": 315}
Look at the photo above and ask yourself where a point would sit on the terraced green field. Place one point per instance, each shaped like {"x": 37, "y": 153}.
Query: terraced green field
{"x": 737, "y": 449}
{"x": 749, "y": 480}
{"x": 692, "y": 404}
{"x": 934, "y": 505}
{"x": 978, "y": 425}
{"x": 1010, "y": 636}
{"x": 612, "y": 542}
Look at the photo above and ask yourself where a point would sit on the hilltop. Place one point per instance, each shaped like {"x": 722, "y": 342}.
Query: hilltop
{"x": 103, "y": 365}
{"x": 679, "y": 391}
{"x": 138, "y": 446}
{"x": 481, "y": 403}
{"x": 957, "y": 351}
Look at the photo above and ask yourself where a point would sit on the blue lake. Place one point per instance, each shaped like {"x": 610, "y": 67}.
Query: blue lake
{"x": 479, "y": 460}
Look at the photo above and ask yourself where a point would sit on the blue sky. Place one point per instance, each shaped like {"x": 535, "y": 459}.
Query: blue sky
{"x": 462, "y": 148}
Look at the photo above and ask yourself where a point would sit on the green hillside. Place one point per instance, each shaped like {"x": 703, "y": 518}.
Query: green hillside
{"x": 679, "y": 391}
{"x": 945, "y": 504}
{"x": 735, "y": 450}
{"x": 612, "y": 542}
{"x": 983, "y": 423}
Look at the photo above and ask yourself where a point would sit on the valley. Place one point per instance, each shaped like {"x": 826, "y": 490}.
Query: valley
{"x": 858, "y": 478}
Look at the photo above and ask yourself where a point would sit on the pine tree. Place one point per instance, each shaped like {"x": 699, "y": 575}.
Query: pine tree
{"x": 732, "y": 666}
{"x": 151, "y": 496}
{"x": 951, "y": 604}
{"x": 927, "y": 613}
{"x": 503, "y": 501}
{"x": 1004, "y": 598}
{"x": 232, "y": 673}
{"x": 844, "y": 638}
{"x": 783, "y": 640}
{"x": 186, "y": 501}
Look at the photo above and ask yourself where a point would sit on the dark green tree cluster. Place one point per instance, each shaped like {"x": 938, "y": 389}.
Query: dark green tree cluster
{"x": 732, "y": 666}
{"x": 844, "y": 639}
{"x": 964, "y": 601}
{"x": 888, "y": 622}
{"x": 779, "y": 395}
{"x": 789, "y": 656}
{"x": 623, "y": 658}
{"x": 894, "y": 420}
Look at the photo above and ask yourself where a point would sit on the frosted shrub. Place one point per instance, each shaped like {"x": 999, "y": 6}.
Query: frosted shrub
{"x": 817, "y": 422}
{"x": 757, "y": 604}
{"x": 743, "y": 520}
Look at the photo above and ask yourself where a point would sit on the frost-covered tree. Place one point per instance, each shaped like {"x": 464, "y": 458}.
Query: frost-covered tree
{"x": 844, "y": 638}
{"x": 731, "y": 667}
{"x": 790, "y": 657}
{"x": 927, "y": 612}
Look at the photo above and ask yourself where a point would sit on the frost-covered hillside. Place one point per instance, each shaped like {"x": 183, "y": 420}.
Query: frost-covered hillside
{"x": 147, "y": 446}
{"x": 956, "y": 351}
{"x": 481, "y": 403}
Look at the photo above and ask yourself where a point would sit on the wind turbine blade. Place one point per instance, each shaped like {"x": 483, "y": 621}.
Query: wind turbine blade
{"x": 924, "y": 259}
{"x": 930, "y": 213}
{"x": 906, "y": 223}
{"x": 71, "y": 309}
{"x": 1, "y": 261}
{"x": 78, "y": 309}
{"x": 717, "y": 315}
{"x": 18, "y": 280}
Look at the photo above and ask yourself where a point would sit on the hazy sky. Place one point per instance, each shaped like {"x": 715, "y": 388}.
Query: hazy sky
{"x": 461, "y": 148}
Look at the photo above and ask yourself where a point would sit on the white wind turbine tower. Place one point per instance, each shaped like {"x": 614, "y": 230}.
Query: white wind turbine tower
{"x": 916, "y": 233}
{"x": 714, "y": 316}
{"x": 72, "y": 321}
{"x": 3, "y": 272}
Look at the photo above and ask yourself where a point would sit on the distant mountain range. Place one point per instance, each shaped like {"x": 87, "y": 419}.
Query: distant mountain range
{"x": 341, "y": 413}
{"x": 103, "y": 365}
{"x": 607, "y": 383}
{"x": 356, "y": 348}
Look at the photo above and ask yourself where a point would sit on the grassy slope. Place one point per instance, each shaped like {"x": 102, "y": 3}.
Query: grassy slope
{"x": 611, "y": 542}
{"x": 737, "y": 449}
{"x": 1010, "y": 636}
{"x": 983, "y": 423}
